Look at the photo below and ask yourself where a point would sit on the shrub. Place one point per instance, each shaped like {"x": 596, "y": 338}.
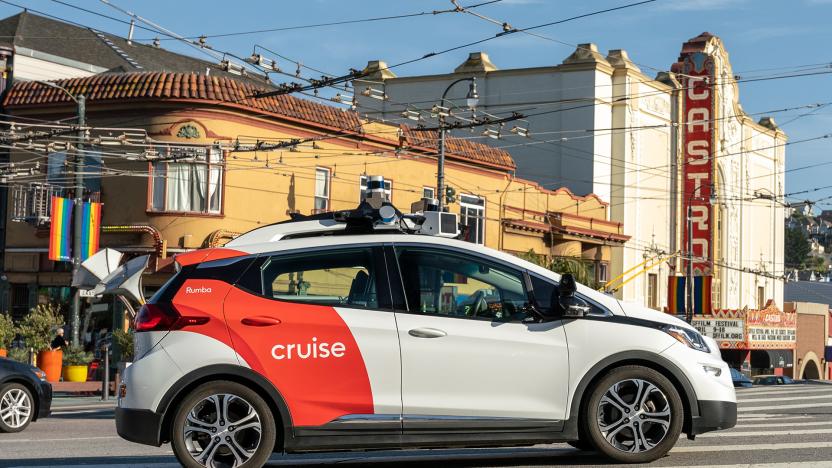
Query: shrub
{"x": 19, "y": 355}
{"x": 38, "y": 327}
{"x": 7, "y": 331}
{"x": 124, "y": 340}
{"x": 76, "y": 356}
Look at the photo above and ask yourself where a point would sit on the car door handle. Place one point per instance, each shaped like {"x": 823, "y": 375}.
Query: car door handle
{"x": 427, "y": 333}
{"x": 260, "y": 321}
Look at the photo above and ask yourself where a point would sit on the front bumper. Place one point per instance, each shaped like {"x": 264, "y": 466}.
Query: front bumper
{"x": 44, "y": 400}
{"x": 714, "y": 416}
{"x": 139, "y": 425}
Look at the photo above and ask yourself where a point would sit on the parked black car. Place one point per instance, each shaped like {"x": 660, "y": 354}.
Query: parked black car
{"x": 25, "y": 395}
{"x": 740, "y": 379}
{"x": 774, "y": 380}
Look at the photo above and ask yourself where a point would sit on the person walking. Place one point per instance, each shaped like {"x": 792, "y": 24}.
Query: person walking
{"x": 60, "y": 342}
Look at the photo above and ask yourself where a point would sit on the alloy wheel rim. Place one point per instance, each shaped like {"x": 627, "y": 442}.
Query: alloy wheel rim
{"x": 634, "y": 415}
{"x": 15, "y": 408}
{"x": 222, "y": 430}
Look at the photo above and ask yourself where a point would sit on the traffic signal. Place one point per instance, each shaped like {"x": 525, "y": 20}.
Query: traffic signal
{"x": 450, "y": 195}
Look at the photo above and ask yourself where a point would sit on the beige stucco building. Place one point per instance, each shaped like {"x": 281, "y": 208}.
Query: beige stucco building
{"x": 599, "y": 123}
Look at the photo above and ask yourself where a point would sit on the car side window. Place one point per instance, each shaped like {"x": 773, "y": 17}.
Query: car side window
{"x": 439, "y": 282}
{"x": 343, "y": 277}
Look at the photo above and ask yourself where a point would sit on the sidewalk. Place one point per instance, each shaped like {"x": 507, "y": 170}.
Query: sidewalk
{"x": 76, "y": 403}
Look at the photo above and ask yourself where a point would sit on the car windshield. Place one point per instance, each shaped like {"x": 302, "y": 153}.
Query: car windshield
{"x": 765, "y": 380}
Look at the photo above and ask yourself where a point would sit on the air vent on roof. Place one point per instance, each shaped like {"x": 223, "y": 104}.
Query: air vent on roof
{"x": 117, "y": 49}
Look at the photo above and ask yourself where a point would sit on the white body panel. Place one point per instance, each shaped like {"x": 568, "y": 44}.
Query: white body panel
{"x": 375, "y": 334}
{"x": 483, "y": 369}
{"x": 171, "y": 356}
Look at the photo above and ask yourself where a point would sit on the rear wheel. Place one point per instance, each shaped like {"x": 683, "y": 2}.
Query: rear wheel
{"x": 633, "y": 415}
{"x": 223, "y": 424}
{"x": 16, "y": 407}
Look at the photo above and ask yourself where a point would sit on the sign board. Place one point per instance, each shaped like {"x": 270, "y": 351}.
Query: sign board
{"x": 768, "y": 328}
{"x": 721, "y": 329}
{"x": 771, "y": 328}
{"x": 698, "y": 167}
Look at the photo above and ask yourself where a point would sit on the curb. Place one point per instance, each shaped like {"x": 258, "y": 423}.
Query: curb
{"x": 81, "y": 407}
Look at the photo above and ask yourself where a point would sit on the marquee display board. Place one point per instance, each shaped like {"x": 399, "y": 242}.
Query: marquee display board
{"x": 768, "y": 328}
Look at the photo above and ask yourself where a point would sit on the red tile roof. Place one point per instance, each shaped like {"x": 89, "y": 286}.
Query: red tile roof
{"x": 156, "y": 86}
{"x": 465, "y": 148}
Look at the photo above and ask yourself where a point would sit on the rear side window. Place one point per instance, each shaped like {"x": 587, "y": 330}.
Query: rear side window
{"x": 343, "y": 277}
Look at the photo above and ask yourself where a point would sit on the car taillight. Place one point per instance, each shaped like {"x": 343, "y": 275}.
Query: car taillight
{"x": 159, "y": 317}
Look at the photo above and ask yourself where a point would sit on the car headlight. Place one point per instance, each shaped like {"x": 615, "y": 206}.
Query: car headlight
{"x": 41, "y": 374}
{"x": 690, "y": 338}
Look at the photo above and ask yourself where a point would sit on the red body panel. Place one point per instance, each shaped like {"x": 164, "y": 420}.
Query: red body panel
{"x": 204, "y": 298}
{"x": 206, "y": 255}
{"x": 316, "y": 389}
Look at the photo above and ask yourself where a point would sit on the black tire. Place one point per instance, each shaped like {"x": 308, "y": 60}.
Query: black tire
{"x": 233, "y": 398}
{"x": 17, "y": 407}
{"x": 653, "y": 432}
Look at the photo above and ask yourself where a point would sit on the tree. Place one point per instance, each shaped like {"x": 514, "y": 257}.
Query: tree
{"x": 797, "y": 248}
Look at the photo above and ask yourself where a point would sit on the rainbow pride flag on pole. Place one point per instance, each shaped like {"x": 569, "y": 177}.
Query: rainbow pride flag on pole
{"x": 90, "y": 228}
{"x": 702, "y": 295}
{"x": 59, "y": 231}
{"x": 676, "y": 295}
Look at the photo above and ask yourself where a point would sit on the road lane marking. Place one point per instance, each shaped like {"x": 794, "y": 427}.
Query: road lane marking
{"x": 781, "y": 407}
{"x": 813, "y": 464}
{"x": 787, "y": 432}
{"x": 787, "y": 392}
{"x": 750, "y": 447}
{"x": 68, "y": 439}
{"x": 792, "y": 424}
{"x": 788, "y": 398}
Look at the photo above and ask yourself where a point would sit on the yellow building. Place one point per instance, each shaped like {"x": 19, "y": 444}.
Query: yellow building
{"x": 182, "y": 161}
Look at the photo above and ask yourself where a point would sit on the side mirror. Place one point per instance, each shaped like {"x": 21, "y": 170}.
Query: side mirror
{"x": 570, "y": 305}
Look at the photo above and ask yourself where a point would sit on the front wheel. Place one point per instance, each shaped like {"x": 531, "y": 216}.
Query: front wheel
{"x": 223, "y": 424}
{"x": 16, "y": 407}
{"x": 633, "y": 415}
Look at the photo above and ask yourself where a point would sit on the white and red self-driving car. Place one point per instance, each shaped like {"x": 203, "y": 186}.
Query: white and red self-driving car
{"x": 369, "y": 329}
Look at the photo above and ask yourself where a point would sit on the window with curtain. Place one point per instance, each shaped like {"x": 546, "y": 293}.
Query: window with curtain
{"x": 188, "y": 180}
{"x": 321, "y": 189}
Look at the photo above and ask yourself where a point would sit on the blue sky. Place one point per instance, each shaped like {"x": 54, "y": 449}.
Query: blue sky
{"x": 761, "y": 34}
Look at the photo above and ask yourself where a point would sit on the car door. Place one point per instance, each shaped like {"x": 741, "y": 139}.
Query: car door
{"x": 318, "y": 324}
{"x": 471, "y": 356}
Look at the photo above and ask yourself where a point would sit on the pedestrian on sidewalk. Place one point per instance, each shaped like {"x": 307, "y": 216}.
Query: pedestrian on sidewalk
{"x": 60, "y": 342}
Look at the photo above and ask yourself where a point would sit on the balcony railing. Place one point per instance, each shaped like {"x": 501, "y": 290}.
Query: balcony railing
{"x": 32, "y": 203}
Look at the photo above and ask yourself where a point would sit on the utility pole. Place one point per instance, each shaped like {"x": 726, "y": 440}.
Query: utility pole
{"x": 471, "y": 100}
{"x": 78, "y": 215}
{"x": 689, "y": 282}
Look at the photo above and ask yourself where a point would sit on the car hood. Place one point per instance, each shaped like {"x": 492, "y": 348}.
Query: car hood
{"x": 634, "y": 310}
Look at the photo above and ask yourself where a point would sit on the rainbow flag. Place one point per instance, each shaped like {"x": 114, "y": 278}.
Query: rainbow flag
{"x": 702, "y": 295}
{"x": 90, "y": 228}
{"x": 676, "y": 295}
{"x": 59, "y": 231}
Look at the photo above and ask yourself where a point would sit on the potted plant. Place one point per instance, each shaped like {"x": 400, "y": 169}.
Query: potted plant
{"x": 124, "y": 342}
{"x": 7, "y": 332}
{"x": 19, "y": 355}
{"x": 37, "y": 330}
{"x": 76, "y": 364}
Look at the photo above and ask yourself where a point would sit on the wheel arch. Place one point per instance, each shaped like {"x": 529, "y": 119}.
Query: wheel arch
{"x": 639, "y": 358}
{"x": 225, "y": 372}
{"x": 33, "y": 392}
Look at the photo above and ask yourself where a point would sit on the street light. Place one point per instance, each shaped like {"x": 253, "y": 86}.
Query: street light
{"x": 471, "y": 99}
{"x": 689, "y": 286}
{"x": 80, "y": 102}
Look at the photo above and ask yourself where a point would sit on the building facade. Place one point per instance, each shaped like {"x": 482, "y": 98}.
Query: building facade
{"x": 599, "y": 124}
{"x": 182, "y": 161}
